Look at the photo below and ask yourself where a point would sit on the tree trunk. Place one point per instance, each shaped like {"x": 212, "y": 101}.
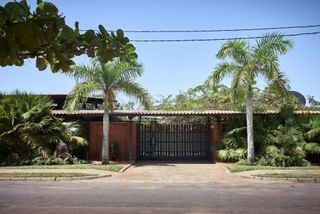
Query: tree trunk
{"x": 249, "y": 116}
{"x": 105, "y": 142}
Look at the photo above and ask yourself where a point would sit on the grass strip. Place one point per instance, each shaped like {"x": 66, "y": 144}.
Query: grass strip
{"x": 242, "y": 168}
{"x": 45, "y": 175}
{"x": 289, "y": 175}
{"x": 108, "y": 167}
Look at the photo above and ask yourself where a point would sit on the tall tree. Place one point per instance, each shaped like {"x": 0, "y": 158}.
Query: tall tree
{"x": 107, "y": 79}
{"x": 245, "y": 63}
{"x": 44, "y": 35}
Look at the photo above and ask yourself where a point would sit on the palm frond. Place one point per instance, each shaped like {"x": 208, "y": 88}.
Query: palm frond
{"x": 76, "y": 140}
{"x": 237, "y": 131}
{"x": 312, "y": 148}
{"x": 273, "y": 42}
{"x": 136, "y": 91}
{"x": 236, "y": 50}
{"x": 280, "y": 84}
{"x": 223, "y": 69}
{"x": 239, "y": 85}
{"x": 79, "y": 92}
{"x": 313, "y": 133}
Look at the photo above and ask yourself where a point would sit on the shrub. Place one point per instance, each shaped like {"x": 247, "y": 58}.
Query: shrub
{"x": 54, "y": 160}
{"x": 231, "y": 155}
{"x": 115, "y": 151}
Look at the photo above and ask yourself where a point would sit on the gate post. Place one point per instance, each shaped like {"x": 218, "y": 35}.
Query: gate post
{"x": 130, "y": 139}
{"x": 212, "y": 146}
{"x": 216, "y": 134}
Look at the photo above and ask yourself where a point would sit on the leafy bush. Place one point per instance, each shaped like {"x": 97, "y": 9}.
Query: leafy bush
{"x": 231, "y": 155}
{"x": 54, "y": 160}
{"x": 115, "y": 151}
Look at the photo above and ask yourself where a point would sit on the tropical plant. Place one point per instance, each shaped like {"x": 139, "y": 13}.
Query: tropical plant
{"x": 280, "y": 139}
{"x": 108, "y": 79}
{"x": 312, "y": 137}
{"x": 245, "y": 63}
{"x": 44, "y": 35}
{"x": 313, "y": 130}
{"x": 29, "y": 130}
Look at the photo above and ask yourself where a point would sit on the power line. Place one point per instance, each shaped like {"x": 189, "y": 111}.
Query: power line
{"x": 220, "y": 39}
{"x": 218, "y": 30}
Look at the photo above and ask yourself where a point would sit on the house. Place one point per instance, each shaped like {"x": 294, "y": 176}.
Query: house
{"x": 152, "y": 141}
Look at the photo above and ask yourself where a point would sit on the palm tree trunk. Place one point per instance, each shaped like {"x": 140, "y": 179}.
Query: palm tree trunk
{"x": 105, "y": 142}
{"x": 249, "y": 116}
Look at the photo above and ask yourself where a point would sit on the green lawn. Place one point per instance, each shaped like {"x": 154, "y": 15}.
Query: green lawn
{"x": 45, "y": 175}
{"x": 108, "y": 167}
{"x": 289, "y": 175}
{"x": 241, "y": 168}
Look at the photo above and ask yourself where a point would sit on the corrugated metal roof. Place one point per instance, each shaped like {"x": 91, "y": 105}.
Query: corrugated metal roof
{"x": 172, "y": 113}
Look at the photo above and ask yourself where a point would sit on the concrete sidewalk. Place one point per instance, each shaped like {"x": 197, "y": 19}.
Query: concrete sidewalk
{"x": 171, "y": 171}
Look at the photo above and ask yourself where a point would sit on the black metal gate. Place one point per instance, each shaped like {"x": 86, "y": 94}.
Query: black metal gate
{"x": 173, "y": 142}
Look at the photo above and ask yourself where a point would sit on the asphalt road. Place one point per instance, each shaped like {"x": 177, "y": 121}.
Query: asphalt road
{"x": 120, "y": 197}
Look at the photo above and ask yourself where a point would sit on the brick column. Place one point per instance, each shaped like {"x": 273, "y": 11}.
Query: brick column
{"x": 216, "y": 134}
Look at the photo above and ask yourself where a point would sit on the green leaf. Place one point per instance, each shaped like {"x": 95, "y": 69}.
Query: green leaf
{"x": 103, "y": 31}
{"x": 25, "y": 33}
{"x": 17, "y": 9}
{"x": 67, "y": 33}
{"x": 88, "y": 36}
{"x": 47, "y": 8}
{"x": 41, "y": 63}
{"x": 77, "y": 30}
{"x": 120, "y": 33}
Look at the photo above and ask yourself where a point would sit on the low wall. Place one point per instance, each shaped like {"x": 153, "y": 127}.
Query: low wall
{"x": 119, "y": 132}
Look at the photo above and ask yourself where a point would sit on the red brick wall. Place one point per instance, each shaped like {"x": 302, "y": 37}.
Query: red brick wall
{"x": 216, "y": 134}
{"x": 119, "y": 132}
{"x": 95, "y": 140}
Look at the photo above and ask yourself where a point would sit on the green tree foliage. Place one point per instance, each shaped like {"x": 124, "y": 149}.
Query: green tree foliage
{"x": 43, "y": 34}
{"x": 29, "y": 130}
{"x": 219, "y": 97}
{"x": 107, "y": 79}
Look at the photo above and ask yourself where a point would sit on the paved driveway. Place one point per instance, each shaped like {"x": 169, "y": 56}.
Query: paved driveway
{"x": 170, "y": 171}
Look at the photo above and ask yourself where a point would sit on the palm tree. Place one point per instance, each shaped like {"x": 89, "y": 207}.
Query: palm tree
{"x": 245, "y": 63}
{"x": 108, "y": 79}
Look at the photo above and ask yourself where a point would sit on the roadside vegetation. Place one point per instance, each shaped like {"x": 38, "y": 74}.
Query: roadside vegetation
{"x": 241, "y": 168}
{"x": 290, "y": 176}
{"x": 45, "y": 175}
{"x": 109, "y": 167}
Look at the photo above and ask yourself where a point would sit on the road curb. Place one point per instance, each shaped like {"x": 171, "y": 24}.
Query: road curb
{"x": 55, "y": 178}
{"x": 223, "y": 167}
{"x": 298, "y": 180}
{"x": 127, "y": 167}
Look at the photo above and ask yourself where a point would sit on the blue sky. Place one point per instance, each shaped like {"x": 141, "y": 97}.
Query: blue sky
{"x": 174, "y": 67}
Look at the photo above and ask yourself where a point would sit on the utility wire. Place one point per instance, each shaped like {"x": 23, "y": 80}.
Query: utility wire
{"x": 220, "y": 39}
{"x": 218, "y": 30}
